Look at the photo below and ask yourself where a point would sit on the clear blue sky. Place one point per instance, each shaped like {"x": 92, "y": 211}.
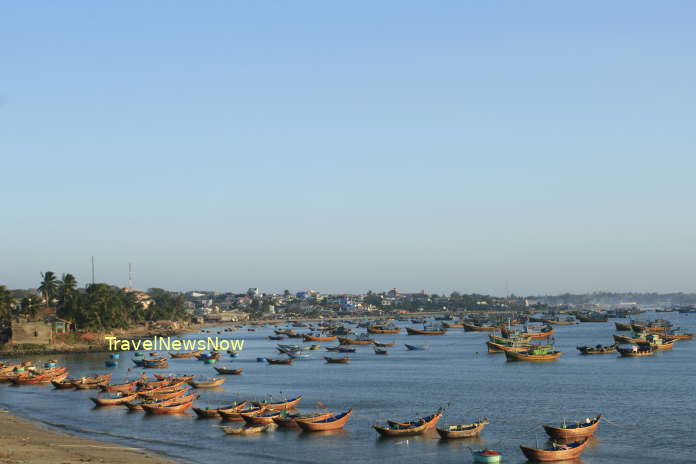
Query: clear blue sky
{"x": 346, "y": 146}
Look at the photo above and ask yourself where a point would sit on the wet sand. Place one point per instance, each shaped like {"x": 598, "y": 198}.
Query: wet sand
{"x": 23, "y": 441}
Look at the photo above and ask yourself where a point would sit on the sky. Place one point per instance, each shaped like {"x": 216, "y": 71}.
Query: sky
{"x": 539, "y": 147}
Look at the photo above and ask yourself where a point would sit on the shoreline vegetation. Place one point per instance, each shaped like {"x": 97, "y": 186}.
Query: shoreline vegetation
{"x": 24, "y": 440}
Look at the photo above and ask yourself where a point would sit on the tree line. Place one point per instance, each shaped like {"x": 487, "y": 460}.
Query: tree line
{"x": 98, "y": 306}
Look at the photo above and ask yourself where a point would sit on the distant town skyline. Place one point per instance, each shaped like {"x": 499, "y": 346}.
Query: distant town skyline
{"x": 351, "y": 146}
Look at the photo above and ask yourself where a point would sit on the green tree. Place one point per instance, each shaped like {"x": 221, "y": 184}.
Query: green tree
{"x": 48, "y": 287}
{"x": 7, "y": 304}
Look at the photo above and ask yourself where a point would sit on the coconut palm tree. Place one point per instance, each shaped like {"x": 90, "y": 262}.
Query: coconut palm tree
{"x": 48, "y": 287}
{"x": 6, "y": 305}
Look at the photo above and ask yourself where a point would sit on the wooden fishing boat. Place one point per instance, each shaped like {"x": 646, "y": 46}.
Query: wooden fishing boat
{"x": 621, "y": 326}
{"x": 212, "y": 383}
{"x": 164, "y": 395}
{"x": 592, "y": 318}
{"x": 174, "y": 377}
{"x": 246, "y": 430}
{"x": 385, "y": 345}
{"x": 453, "y": 325}
{"x": 480, "y": 328}
{"x": 651, "y": 327}
{"x": 280, "y": 405}
{"x": 381, "y": 351}
{"x": 183, "y": 354}
{"x": 535, "y": 355}
{"x": 289, "y": 420}
{"x": 500, "y": 348}
{"x": 415, "y": 427}
{"x": 637, "y": 350}
{"x": 318, "y": 338}
{"x": 63, "y": 384}
{"x": 356, "y": 341}
{"x": 166, "y": 387}
{"x": 228, "y": 371}
{"x": 536, "y": 334}
{"x": 558, "y": 321}
{"x": 40, "y": 377}
{"x": 556, "y": 452}
{"x": 205, "y": 356}
{"x": 334, "y": 422}
{"x": 126, "y": 387}
{"x": 426, "y": 331}
{"x": 343, "y": 360}
{"x": 279, "y": 361}
{"x": 86, "y": 383}
{"x": 138, "y": 405}
{"x": 580, "y": 429}
{"x": 215, "y": 412}
{"x": 235, "y": 414}
{"x": 664, "y": 344}
{"x": 599, "y": 349}
{"x": 681, "y": 336}
{"x": 380, "y": 329}
{"x": 173, "y": 408}
{"x": 463, "y": 430}
{"x": 160, "y": 363}
{"x": 417, "y": 347}
{"x": 264, "y": 418}
{"x": 627, "y": 339}
{"x": 114, "y": 400}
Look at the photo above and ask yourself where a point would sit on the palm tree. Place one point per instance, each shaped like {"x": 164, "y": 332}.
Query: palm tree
{"x": 48, "y": 286}
{"x": 68, "y": 298}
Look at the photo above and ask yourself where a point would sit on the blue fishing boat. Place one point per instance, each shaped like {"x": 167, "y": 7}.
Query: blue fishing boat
{"x": 115, "y": 355}
{"x": 209, "y": 361}
{"x": 260, "y": 360}
{"x": 417, "y": 347}
{"x": 110, "y": 363}
{"x": 138, "y": 354}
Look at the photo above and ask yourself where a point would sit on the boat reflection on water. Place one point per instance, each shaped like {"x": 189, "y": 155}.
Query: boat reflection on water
{"x": 324, "y": 434}
{"x": 564, "y": 461}
{"x": 477, "y": 442}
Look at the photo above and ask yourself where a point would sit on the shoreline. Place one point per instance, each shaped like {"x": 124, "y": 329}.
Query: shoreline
{"x": 26, "y": 440}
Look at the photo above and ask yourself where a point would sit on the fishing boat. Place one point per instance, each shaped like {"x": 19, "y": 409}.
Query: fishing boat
{"x": 183, "y": 354}
{"x": 86, "y": 383}
{"x": 280, "y": 405}
{"x": 594, "y": 317}
{"x": 279, "y": 361}
{"x": 126, "y": 387}
{"x": 622, "y": 326}
{"x": 245, "y": 430}
{"x": 636, "y": 350}
{"x": 318, "y": 338}
{"x": 427, "y": 330}
{"x": 381, "y": 351}
{"x": 174, "y": 377}
{"x": 580, "y": 429}
{"x": 212, "y": 383}
{"x": 159, "y": 363}
{"x": 334, "y": 422}
{"x": 415, "y": 427}
{"x": 208, "y": 413}
{"x": 480, "y": 327}
{"x": 284, "y": 419}
{"x": 417, "y": 347}
{"x": 173, "y": 408}
{"x": 114, "y": 400}
{"x": 212, "y": 355}
{"x": 463, "y": 430}
{"x": 659, "y": 326}
{"x": 384, "y": 345}
{"x": 264, "y": 418}
{"x": 536, "y": 354}
{"x": 598, "y": 349}
{"x": 556, "y": 451}
{"x": 234, "y": 414}
{"x": 361, "y": 340}
{"x": 229, "y": 371}
{"x": 453, "y": 325}
{"x": 298, "y": 355}
{"x": 138, "y": 406}
{"x": 680, "y": 335}
{"x": 383, "y": 329}
{"x": 164, "y": 395}
{"x": 276, "y": 337}
{"x": 487, "y": 456}
{"x": 343, "y": 360}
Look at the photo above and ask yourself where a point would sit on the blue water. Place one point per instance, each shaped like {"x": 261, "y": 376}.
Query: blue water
{"x": 655, "y": 394}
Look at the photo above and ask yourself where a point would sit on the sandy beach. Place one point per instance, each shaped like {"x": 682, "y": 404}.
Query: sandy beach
{"x": 23, "y": 441}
